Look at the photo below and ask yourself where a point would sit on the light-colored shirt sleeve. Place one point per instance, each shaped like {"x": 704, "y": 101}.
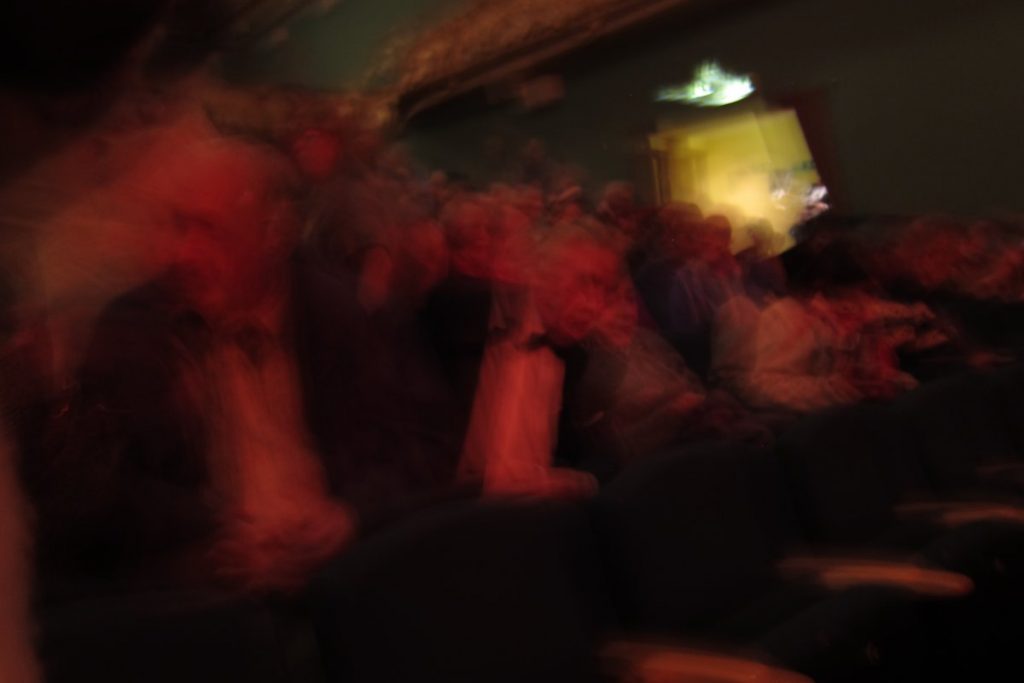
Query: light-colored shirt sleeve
{"x": 792, "y": 368}
{"x": 513, "y": 426}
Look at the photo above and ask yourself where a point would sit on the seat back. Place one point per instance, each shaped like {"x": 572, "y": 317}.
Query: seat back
{"x": 848, "y": 468}
{"x": 955, "y": 425}
{"x": 1009, "y": 384}
{"x": 693, "y": 533}
{"x": 162, "y": 638}
{"x": 470, "y": 592}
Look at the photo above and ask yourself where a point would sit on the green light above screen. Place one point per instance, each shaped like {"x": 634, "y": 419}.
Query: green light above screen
{"x": 712, "y": 86}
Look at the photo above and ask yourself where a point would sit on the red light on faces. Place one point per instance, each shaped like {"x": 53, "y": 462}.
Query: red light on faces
{"x": 576, "y": 289}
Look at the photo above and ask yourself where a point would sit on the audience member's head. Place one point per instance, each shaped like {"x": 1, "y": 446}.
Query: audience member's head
{"x": 467, "y": 223}
{"x": 716, "y": 237}
{"x": 577, "y": 278}
{"x": 425, "y": 257}
{"x": 234, "y": 224}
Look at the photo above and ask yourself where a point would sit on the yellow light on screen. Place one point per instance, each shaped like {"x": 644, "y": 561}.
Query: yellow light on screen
{"x": 754, "y": 167}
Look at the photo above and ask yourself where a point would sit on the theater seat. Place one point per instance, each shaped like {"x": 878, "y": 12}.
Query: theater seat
{"x": 1009, "y": 385}
{"x": 163, "y": 638}
{"x": 468, "y": 592}
{"x": 694, "y": 539}
{"x": 959, "y": 429}
{"x": 495, "y": 592}
{"x": 856, "y": 472}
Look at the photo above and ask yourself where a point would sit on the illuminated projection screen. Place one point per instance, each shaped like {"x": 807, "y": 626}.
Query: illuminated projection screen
{"x": 755, "y": 167}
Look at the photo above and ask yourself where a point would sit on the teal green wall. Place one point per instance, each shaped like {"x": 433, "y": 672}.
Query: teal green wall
{"x": 926, "y": 98}
{"x": 332, "y": 48}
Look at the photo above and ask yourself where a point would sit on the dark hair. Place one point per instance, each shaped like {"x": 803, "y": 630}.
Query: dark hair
{"x": 825, "y": 225}
{"x": 836, "y": 266}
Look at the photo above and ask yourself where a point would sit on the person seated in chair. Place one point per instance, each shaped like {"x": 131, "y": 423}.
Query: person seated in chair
{"x": 181, "y": 452}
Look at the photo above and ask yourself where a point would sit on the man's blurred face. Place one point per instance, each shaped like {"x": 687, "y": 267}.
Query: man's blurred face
{"x": 223, "y": 260}
{"x": 576, "y": 287}
{"x": 217, "y": 265}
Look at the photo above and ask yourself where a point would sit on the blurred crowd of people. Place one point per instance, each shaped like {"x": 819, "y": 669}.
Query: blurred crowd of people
{"x": 319, "y": 336}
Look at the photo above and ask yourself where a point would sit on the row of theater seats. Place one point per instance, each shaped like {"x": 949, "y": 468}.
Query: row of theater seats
{"x": 880, "y": 542}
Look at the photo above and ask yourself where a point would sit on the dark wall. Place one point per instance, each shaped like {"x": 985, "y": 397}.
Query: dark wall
{"x": 924, "y": 98}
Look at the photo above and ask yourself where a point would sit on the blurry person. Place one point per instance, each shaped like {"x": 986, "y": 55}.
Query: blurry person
{"x": 573, "y": 385}
{"x": 798, "y": 359}
{"x": 631, "y": 394}
{"x": 923, "y": 258}
{"x": 565, "y": 198}
{"x": 469, "y": 226}
{"x": 382, "y": 407}
{"x": 935, "y": 255}
{"x": 455, "y": 313}
{"x": 671, "y": 243}
{"x": 873, "y": 330}
{"x": 734, "y": 339}
{"x": 830, "y": 342}
{"x": 618, "y": 208}
{"x": 359, "y": 202}
{"x": 514, "y": 429}
{"x": 991, "y": 266}
{"x": 933, "y": 261}
{"x": 761, "y": 269}
{"x": 530, "y": 200}
{"x": 182, "y": 449}
{"x": 566, "y": 206}
{"x": 783, "y": 350}
{"x": 703, "y": 281}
